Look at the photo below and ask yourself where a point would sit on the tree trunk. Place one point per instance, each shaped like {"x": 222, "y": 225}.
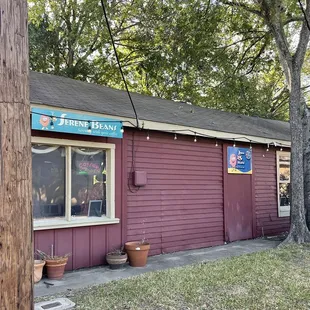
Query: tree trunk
{"x": 299, "y": 231}
{"x": 306, "y": 151}
{"x": 16, "y": 252}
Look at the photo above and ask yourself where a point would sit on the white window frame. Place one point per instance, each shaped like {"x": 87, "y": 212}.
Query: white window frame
{"x": 283, "y": 211}
{"x": 68, "y": 221}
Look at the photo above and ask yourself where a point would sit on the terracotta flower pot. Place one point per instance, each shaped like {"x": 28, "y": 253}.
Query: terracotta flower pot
{"x": 137, "y": 253}
{"x": 56, "y": 268}
{"x": 37, "y": 270}
{"x": 116, "y": 260}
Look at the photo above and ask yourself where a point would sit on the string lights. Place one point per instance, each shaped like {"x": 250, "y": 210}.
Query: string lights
{"x": 53, "y": 119}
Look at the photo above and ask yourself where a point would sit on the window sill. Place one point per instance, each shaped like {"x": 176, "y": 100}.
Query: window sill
{"x": 284, "y": 211}
{"x": 75, "y": 222}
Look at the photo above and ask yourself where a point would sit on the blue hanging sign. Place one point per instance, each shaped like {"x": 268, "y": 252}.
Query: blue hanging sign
{"x": 59, "y": 121}
{"x": 239, "y": 160}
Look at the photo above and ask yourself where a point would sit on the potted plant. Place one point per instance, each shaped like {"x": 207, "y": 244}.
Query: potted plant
{"x": 38, "y": 270}
{"x": 137, "y": 252}
{"x": 117, "y": 258}
{"x": 55, "y": 265}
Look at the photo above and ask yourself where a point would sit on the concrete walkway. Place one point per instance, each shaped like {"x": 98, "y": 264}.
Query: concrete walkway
{"x": 94, "y": 276}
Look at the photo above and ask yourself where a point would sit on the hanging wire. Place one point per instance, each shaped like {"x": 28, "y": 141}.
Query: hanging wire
{"x": 118, "y": 62}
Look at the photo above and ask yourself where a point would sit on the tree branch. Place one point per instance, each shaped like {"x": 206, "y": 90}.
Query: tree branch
{"x": 275, "y": 24}
{"x": 293, "y": 19}
{"x": 260, "y": 52}
{"x": 303, "y": 38}
{"x": 243, "y": 6}
{"x": 238, "y": 41}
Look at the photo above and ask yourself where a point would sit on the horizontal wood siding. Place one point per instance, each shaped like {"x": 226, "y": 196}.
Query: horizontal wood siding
{"x": 88, "y": 245}
{"x": 181, "y": 207}
{"x": 266, "y": 203}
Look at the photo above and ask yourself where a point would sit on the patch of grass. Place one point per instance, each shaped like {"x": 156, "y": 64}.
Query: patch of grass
{"x": 274, "y": 279}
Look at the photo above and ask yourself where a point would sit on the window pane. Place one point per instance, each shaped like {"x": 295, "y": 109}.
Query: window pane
{"x": 48, "y": 181}
{"x": 284, "y": 167}
{"x": 284, "y": 192}
{"x": 88, "y": 182}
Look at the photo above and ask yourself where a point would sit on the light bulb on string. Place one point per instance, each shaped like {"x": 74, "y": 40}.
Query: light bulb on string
{"x": 234, "y": 145}
{"x": 195, "y": 139}
{"x": 148, "y": 136}
{"x": 122, "y": 129}
{"x": 175, "y": 136}
{"x": 89, "y": 127}
{"x": 250, "y": 146}
{"x": 216, "y": 144}
{"x": 52, "y": 123}
{"x": 281, "y": 149}
{"x": 267, "y": 150}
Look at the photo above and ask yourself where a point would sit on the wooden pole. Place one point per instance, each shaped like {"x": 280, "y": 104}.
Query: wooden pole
{"x": 16, "y": 249}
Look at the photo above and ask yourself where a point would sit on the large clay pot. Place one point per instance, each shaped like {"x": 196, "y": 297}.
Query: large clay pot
{"x": 137, "y": 253}
{"x": 37, "y": 270}
{"x": 56, "y": 268}
{"x": 116, "y": 260}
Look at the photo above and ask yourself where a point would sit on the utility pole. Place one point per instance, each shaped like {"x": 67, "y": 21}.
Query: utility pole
{"x": 16, "y": 248}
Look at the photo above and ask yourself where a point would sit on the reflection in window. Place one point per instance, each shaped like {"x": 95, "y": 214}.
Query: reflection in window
{"x": 88, "y": 180}
{"x": 284, "y": 191}
{"x": 284, "y": 179}
{"x": 48, "y": 181}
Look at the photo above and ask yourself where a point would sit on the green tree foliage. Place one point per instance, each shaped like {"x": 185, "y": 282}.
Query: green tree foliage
{"x": 195, "y": 51}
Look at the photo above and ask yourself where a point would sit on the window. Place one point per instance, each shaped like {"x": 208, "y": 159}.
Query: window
{"x": 73, "y": 183}
{"x": 48, "y": 181}
{"x": 283, "y": 172}
{"x": 88, "y": 178}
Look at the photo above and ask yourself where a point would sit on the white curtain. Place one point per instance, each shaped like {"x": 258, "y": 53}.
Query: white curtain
{"x": 48, "y": 149}
{"x": 86, "y": 152}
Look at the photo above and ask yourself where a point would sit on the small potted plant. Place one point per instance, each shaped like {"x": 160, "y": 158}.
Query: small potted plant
{"x": 137, "y": 252}
{"x": 117, "y": 258}
{"x": 38, "y": 270}
{"x": 55, "y": 265}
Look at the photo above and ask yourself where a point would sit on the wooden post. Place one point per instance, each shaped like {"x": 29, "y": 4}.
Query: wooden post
{"x": 16, "y": 249}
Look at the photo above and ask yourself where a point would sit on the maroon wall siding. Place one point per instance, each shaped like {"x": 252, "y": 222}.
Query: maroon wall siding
{"x": 88, "y": 245}
{"x": 181, "y": 207}
{"x": 265, "y": 187}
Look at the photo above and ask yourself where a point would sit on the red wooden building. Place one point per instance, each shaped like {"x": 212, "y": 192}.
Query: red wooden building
{"x": 168, "y": 181}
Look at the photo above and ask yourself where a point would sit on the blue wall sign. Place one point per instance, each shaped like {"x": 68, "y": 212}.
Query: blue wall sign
{"x": 59, "y": 121}
{"x": 239, "y": 160}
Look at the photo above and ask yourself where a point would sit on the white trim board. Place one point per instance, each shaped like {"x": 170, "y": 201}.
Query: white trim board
{"x": 179, "y": 129}
{"x": 68, "y": 220}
